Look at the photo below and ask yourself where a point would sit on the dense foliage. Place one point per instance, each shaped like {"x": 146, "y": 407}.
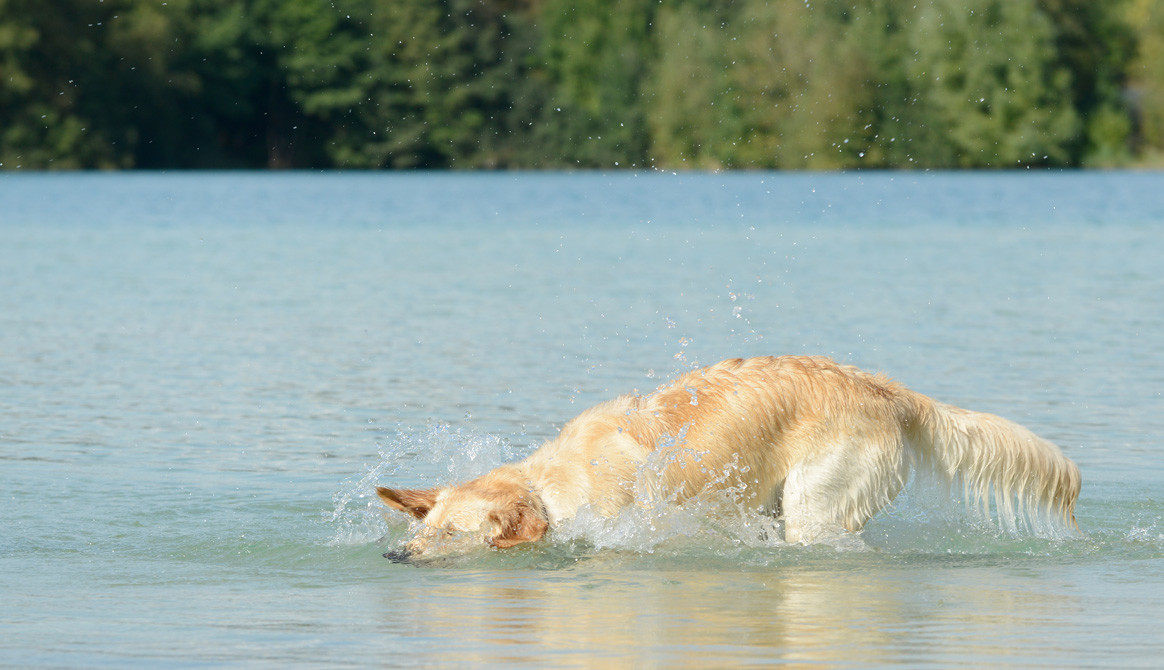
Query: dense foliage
{"x": 789, "y": 84}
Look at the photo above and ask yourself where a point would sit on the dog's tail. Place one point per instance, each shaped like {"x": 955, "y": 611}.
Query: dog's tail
{"x": 1028, "y": 478}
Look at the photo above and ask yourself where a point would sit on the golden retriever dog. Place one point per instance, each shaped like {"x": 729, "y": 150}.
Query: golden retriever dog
{"x": 822, "y": 446}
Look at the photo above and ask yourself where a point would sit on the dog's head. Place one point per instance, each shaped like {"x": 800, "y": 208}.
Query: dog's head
{"x": 490, "y": 510}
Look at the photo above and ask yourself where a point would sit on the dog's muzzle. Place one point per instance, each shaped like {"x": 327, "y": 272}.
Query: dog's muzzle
{"x": 399, "y": 556}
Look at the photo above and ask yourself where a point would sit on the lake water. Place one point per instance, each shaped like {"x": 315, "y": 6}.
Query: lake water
{"x": 203, "y": 375}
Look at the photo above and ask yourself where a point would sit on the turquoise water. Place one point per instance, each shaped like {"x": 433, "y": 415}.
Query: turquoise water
{"x": 203, "y": 375}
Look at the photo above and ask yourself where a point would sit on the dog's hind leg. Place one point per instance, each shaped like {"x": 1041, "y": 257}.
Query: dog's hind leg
{"x": 841, "y": 489}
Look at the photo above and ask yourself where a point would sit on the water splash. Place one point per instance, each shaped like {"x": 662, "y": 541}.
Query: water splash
{"x": 436, "y": 454}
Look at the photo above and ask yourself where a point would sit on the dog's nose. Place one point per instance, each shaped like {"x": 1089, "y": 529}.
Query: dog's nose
{"x": 398, "y": 556}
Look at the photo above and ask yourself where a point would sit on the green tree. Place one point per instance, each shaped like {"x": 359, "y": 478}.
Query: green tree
{"x": 595, "y": 54}
{"x": 1147, "y": 77}
{"x": 278, "y": 80}
{"x": 177, "y": 83}
{"x": 691, "y": 116}
{"x": 803, "y": 85}
{"x": 989, "y": 89}
{"x": 581, "y": 83}
{"x": 55, "y": 86}
{"x": 1095, "y": 43}
{"x": 154, "y": 90}
{"x": 443, "y": 78}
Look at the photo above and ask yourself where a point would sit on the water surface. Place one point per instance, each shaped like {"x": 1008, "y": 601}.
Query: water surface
{"x": 202, "y": 376}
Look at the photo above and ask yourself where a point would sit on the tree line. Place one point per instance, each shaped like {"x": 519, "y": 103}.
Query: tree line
{"x": 783, "y": 84}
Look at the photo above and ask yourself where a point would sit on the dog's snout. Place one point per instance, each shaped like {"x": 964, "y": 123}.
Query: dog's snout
{"x": 398, "y": 556}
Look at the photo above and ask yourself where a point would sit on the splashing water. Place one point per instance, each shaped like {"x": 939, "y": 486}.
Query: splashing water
{"x": 435, "y": 455}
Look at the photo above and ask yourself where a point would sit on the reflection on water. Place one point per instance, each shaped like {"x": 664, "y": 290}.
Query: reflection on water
{"x": 853, "y": 612}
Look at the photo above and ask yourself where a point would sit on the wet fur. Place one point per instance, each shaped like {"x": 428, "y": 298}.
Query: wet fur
{"x": 821, "y": 445}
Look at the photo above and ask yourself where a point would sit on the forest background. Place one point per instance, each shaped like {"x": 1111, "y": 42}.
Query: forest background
{"x": 665, "y": 84}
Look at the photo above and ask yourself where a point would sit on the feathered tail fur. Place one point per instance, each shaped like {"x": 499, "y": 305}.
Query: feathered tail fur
{"x": 994, "y": 459}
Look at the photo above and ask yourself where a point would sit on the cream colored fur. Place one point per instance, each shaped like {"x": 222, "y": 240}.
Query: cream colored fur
{"x": 822, "y": 445}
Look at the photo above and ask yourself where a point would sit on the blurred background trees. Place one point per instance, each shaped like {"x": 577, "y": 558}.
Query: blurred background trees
{"x": 787, "y": 84}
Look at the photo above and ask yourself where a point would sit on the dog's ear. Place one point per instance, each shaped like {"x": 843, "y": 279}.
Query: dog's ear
{"x": 520, "y": 523}
{"x": 412, "y": 501}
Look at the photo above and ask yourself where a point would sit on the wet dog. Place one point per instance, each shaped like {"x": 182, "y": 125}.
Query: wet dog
{"x": 822, "y": 446}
